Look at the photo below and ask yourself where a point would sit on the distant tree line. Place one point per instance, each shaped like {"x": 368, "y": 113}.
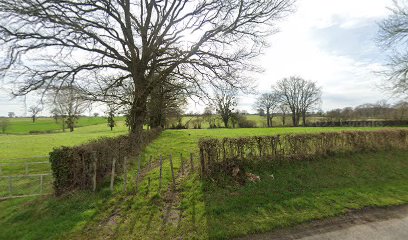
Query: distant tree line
{"x": 379, "y": 110}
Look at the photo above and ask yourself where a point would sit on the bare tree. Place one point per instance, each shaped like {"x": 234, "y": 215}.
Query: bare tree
{"x": 34, "y": 110}
{"x": 269, "y": 103}
{"x": 68, "y": 103}
{"x": 284, "y": 110}
{"x": 299, "y": 95}
{"x": 310, "y": 98}
{"x": 107, "y": 46}
{"x": 393, "y": 35}
{"x": 165, "y": 102}
{"x": 225, "y": 100}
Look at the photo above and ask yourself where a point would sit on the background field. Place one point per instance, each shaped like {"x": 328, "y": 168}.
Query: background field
{"x": 297, "y": 193}
{"x": 25, "y": 125}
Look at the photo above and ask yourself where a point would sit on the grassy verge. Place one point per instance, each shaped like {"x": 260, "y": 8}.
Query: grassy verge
{"x": 293, "y": 193}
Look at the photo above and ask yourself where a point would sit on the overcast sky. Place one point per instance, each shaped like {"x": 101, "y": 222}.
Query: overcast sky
{"x": 328, "y": 41}
{"x": 332, "y": 43}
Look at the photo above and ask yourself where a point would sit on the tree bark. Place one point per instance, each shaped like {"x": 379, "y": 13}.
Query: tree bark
{"x": 138, "y": 115}
{"x": 304, "y": 118}
{"x": 294, "y": 119}
{"x": 268, "y": 116}
{"x": 225, "y": 120}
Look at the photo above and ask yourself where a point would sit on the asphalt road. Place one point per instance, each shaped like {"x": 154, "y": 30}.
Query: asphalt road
{"x": 367, "y": 224}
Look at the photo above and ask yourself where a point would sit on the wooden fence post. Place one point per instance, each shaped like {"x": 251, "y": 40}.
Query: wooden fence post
{"x": 202, "y": 162}
{"x": 112, "y": 182}
{"x": 1, "y": 173}
{"x": 182, "y": 164}
{"x": 125, "y": 174}
{"x": 172, "y": 170}
{"x": 10, "y": 178}
{"x": 150, "y": 162}
{"x": 138, "y": 172}
{"x": 148, "y": 186}
{"x": 26, "y": 168}
{"x": 161, "y": 170}
{"x": 191, "y": 162}
{"x": 94, "y": 173}
{"x": 41, "y": 183}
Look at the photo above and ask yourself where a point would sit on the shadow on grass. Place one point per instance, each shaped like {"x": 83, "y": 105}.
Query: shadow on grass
{"x": 292, "y": 193}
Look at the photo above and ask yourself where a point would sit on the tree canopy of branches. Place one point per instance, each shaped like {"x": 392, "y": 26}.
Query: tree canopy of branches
{"x": 299, "y": 95}
{"x": 166, "y": 101}
{"x": 34, "y": 110}
{"x": 68, "y": 104}
{"x": 225, "y": 100}
{"x": 394, "y": 35}
{"x": 107, "y": 47}
{"x": 269, "y": 103}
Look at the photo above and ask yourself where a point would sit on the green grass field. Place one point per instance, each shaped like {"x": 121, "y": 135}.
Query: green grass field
{"x": 26, "y": 125}
{"x": 297, "y": 193}
{"x": 24, "y": 147}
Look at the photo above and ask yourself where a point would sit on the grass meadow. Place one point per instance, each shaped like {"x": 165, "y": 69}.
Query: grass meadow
{"x": 26, "y": 125}
{"x": 287, "y": 194}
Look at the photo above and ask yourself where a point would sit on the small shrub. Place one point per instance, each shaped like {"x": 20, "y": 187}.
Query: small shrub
{"x": 243, "y": 122}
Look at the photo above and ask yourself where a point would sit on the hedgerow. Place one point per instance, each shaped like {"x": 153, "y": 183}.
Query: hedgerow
{"x": 214, "y": 153}
{"x": 73, "y": 167}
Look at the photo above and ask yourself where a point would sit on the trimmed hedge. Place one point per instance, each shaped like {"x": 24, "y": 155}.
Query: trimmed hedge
{"x": 217, "y": 152}
{"x": 361, "y": 123}
{"x": 73, "y": 169}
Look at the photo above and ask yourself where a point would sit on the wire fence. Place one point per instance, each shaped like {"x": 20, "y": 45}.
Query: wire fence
{"x": 24, "y": 168}
{"x": 24, "y": 177}
{"x": 25, "y": 185}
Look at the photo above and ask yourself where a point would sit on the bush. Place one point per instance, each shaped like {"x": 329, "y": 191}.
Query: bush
{"x": 243, "y": 122}
{"x": 216, "y": 152}
{"x": 73, "y": 167}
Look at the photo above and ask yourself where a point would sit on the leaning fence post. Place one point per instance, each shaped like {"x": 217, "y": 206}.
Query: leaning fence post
{"x": 94, "y": 173}
{"x": 125, "y": 173}
{"x": 172, "y": 171}
{"x": 10, "y": 185}
{"x": 182, "y": 164}
{"x": 191, "y": 162}
{"x": 41, "y": 183}
{"x": 202, "y": 162}
{"x": 138, "y": 172}
{"x": 161, "y": 170}
{"x": 112, "y": 182}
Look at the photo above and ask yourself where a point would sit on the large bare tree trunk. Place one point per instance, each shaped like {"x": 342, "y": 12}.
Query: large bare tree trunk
{"x": 304, "y": 118}
{"x": 138, "y": 115}
{"x": 294, "y": 120}
{"x": 268, "y": 117}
